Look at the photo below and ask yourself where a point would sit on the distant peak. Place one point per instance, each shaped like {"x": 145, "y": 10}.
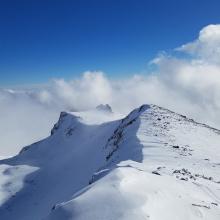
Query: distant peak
{"x": 104, "y": 108}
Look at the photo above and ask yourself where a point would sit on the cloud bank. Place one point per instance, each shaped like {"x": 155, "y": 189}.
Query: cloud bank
{"x": 188, "y": 84}
{"x": 207, "y": 46}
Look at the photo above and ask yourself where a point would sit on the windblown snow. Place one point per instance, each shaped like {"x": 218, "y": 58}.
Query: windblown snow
{"x": 153, "y": 164}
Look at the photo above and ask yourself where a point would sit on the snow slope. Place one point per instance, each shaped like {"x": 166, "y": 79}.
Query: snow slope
{"x": 153, "y": 164}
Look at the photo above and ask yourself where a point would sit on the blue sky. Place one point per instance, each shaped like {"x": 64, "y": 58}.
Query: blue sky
{"x": 43, "y": 39}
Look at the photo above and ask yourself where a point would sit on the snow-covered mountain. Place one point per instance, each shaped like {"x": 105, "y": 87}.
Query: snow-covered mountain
{"x": 153, "y": 164}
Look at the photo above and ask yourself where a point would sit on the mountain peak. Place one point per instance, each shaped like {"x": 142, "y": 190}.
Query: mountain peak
{"x": 105, "y": 108}
{"x": 152, "y": 158}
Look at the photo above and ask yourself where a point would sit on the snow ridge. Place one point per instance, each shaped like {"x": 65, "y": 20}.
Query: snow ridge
{"x": 152, "y": 164}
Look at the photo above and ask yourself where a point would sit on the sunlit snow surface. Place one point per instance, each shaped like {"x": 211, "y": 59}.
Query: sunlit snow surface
{"x": 154, "y": 164}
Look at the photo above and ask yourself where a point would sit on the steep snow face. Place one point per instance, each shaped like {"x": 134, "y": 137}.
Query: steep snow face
{"x": 153, "y": 164}
{"x": 55, "y": 168}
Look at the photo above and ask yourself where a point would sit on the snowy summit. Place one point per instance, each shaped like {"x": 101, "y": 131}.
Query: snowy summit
{"x": 153, "y": 164}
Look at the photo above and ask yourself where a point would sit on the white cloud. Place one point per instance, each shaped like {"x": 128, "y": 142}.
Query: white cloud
{"x": 207, "y": 46}
{"x": 190, "y": 86}
{"x": 90, "y": 90}
{"x": 23, "y": 120}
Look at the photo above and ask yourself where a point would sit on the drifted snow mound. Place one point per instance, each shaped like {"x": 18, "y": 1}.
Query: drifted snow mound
{"x": 153, "y": 164}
